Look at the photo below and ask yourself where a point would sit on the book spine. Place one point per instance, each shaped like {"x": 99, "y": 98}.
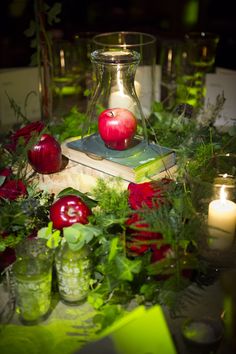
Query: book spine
{"x": 154, "y": 167}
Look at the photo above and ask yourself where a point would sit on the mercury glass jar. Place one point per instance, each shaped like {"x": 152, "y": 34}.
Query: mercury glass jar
{"x": 115, "y": 90}
{"x": 73, "y": 273}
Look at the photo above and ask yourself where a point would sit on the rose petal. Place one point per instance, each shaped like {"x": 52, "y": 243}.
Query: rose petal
{"x": 12, "y": 189}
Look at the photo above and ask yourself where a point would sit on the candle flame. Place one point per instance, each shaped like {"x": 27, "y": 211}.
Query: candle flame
{"x": 223, "y": 194}
{"x": 169, "y": 60}
{"x": 62, "y": 60}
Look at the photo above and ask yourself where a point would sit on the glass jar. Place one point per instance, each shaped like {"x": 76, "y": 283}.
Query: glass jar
{"x": 32, "y": 273}
{"x": 198, "y": 59}
{"x": 115, "y": 71}
{"x": 73, "y": 273}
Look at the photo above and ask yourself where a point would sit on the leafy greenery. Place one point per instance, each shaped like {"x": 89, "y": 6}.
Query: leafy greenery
{"x": 119, "y": 277}
{"x": 70, "y": 126}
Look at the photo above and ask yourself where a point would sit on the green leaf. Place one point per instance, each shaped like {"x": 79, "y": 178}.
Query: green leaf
{"x": 53, "y": 238}
{"x": 30, "y": 32}
{"x": 71, "y": 191}
{"x": 87, "y": 93}
{"x": 127, "y": 267}
{"x": 95, "y": 299}
{"x": 108, "y": 315}
{"x": 77, "y": 235}
{"x": 2, "y": 180}
{"x": 157, "y": 106}
{"x": 53, "y": 12}
{"x": 2, "y": 246}
{"x": 45, "y": 232}
{"x": 113, "y": 249}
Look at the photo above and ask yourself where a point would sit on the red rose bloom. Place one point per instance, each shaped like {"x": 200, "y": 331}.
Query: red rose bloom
{"x": 160, "y": 253}
{"x": 138, "y": 238}
{"x": 5, "y": 172}
{"x": 147, "y": 194}
{"x": 27, "y": 132}
{"x": 12, "y": 189}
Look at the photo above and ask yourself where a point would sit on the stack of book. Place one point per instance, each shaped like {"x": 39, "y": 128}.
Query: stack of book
{"x": 143, "y": 161}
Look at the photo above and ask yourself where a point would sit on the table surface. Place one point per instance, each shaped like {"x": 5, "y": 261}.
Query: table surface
{"x": 69, "y": 328}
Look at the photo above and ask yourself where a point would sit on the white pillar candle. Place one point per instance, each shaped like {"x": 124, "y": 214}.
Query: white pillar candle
{"x": 221, "y": 222}
{"x": 118, "y": 99}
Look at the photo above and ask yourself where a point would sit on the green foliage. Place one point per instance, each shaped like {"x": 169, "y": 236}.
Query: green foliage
{"x": 22, "y": 217}
{"x": 70, "y": 126}
{"x": 106, "y": 317}
{"x": 71, "y": 191}
{"x": 169, "y": 128}
{"x": 37, "y": 28}
{"x": 53, "y": 237}
{"x": 78, "y": 235}
{"x": 118, "y": 278}
{"x": 112, "y": 200}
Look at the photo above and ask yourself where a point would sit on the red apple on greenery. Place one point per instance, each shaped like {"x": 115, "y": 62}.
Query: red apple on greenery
{"x": 68, "y": 210}
{"x": 117, "y": 127}
{"x": 45, "y": 156}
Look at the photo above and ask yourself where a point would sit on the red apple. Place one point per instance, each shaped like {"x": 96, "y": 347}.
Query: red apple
{"x": 117, "y": 127}
{"x": 68, "y": 210}
{"x": 45, "y": 156}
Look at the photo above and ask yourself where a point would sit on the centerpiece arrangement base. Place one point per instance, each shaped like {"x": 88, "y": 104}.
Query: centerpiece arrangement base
{"x": 85, "y": 167}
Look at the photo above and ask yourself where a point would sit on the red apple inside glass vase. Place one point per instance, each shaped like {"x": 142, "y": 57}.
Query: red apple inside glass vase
{"x": 117, "y": 127}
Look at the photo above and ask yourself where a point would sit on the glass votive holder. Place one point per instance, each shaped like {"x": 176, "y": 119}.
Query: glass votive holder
{"x": 67, "y": 77}
{"x": 198, "y": 59}
{"x": 214, "y": 198}
{"x": 221, "y": 216}
{"x": 224, "y": 168}
{"x": 32, "y": 274}
{"x": 202, "y": 335}
{"x": 145, "y": 45}
{"x": 170, "y": 61}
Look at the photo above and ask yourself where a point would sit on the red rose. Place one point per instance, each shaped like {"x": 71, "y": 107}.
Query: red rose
{"x": 12, "y": 189}
{"x": 5, "y": 172}
{"x": 160, "y": 253}
{"x": 27, "y": 132}
{"x": 139, "y": 239}
{"x": 151, "y": 195}
{"x": 147, "y": 193}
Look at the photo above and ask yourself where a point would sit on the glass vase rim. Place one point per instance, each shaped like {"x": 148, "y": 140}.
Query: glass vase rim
{"x": 114, "y": 57}
{"x": 151, "y": 37}
{"x": 202, "y": 35}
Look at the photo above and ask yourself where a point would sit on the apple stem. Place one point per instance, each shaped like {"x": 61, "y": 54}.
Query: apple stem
{"x": 111, "y": 114}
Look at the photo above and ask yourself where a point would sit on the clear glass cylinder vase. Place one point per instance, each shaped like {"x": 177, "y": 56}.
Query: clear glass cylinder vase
{"x": 73, "y": 270}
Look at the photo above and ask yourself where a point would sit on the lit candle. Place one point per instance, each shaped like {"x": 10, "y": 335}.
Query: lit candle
{"x": 221, "y": 222}
{"x": 119, "y": 99}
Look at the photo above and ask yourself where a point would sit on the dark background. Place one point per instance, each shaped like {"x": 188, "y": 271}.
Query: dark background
{"x": 163, "y": 18}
